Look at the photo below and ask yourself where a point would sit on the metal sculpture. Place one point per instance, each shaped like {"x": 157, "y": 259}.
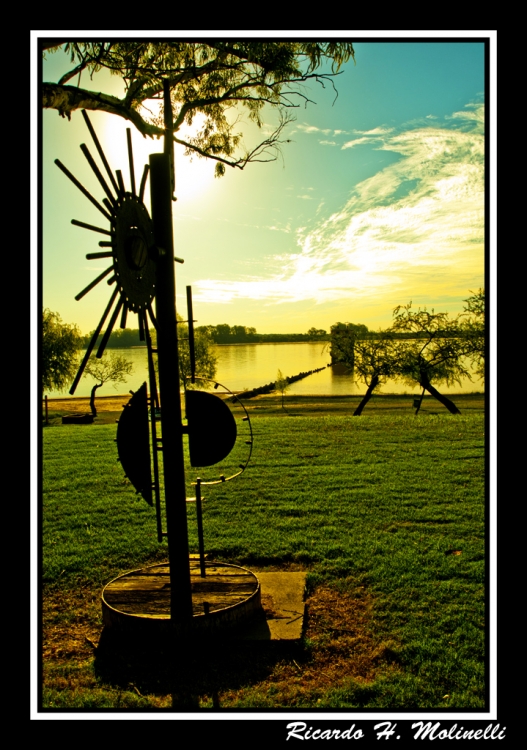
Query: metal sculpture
{"x": 142, "y": 273}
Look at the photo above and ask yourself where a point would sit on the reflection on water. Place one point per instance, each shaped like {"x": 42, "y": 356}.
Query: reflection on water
{"x": 244, "y": 366}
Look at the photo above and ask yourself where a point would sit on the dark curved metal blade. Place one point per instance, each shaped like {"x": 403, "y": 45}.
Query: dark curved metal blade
{"x": 133, "y": 443}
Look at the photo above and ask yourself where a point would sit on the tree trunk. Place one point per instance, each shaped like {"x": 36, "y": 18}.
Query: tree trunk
{"x": 420, "y": 402}
{"x": 450, "y": 405}
{"x": 372, "y": 386}
{"x": 92, "y": 399}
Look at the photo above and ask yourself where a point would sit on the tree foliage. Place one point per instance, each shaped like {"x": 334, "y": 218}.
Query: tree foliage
{"x": 217, "y": 80}
{"x": 59, "y": 354}
{"x": 110, "y": 368}
{"x": 421, "y": 347}
{"x": 204, "y": 355}
{"x": 342, "y": 342}
{"x": 473, "y": 329}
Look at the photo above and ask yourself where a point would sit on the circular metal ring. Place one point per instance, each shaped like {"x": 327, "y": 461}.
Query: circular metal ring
{"x": 249, "y": 442}
{"x": 134, "y": 252}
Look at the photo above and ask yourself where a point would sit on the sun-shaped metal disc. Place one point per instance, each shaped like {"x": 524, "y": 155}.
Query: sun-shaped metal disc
{"x": 134, "y": 252}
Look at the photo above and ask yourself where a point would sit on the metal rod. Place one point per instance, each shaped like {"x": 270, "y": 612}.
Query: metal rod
{"x": 124, "y": 314}
{"x": 97, "y": 172}
{"x": 140, "y": 317}
{"x": 102, "y": 345}
{"x": 93, "y": 342}
{"x": 90, "y": 226}
{"x": 99, "y": 149}
{"x": 154, "y": 403}
{"x": 143, "y": 181}
{"x": 200, "y": 528}
{"x": 88, "y": 195}
{"x": 190, "y": 317}
{"x": 109, "y": 206}
{"x": 151, "y": 369}
{"x": 101, "y": 276}
{"x": 97, "y": 256}
{"x": 130, "y": 159}
{"x": 152, "y": 316}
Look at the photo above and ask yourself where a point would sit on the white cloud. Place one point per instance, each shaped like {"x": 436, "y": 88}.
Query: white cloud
{"x": 356, "y": 142}
{"x": 416, "y": 224}
{"x": 305, "y": 128}
{"x": 375, "y": 131}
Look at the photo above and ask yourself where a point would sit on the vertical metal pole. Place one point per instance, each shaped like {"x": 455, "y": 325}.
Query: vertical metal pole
{"x": 168, "y": 361}
{"x": 200, "y": 528}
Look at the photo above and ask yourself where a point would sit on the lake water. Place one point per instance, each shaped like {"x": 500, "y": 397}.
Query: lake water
{"x": 243, "y": 366}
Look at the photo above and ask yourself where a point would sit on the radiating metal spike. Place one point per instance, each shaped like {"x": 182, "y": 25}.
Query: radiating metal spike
{"x": 90, "y": 226}
{"x": 83, "y": 190}
{"x": 101, "y": 276}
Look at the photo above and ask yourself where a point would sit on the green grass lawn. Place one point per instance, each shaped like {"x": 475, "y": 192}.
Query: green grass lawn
{"x": 388, "y": 507}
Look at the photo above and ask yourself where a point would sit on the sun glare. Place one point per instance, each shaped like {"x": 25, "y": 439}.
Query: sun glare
{"x": 194, "y": 176}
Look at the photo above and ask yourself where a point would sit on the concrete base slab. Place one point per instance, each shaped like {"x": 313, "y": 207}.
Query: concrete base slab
{"x": 282, "y": 595}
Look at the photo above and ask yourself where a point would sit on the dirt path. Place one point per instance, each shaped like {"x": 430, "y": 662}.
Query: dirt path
{"x": 109, "y": 408}
{"x": 82, "y": 404}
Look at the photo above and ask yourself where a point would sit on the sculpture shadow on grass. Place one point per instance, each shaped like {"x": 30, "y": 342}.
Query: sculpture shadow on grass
{"x": 188, "y": 668}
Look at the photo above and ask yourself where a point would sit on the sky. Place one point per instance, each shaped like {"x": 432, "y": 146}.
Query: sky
{"x": 377, "y": 201}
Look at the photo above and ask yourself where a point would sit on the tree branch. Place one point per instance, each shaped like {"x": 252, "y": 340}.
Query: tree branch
{"x": 67, "y": 99}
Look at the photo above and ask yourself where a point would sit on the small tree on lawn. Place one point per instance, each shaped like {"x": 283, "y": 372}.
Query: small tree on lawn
{"x": 435, "y": 352}
{"x": 111, "y": 368}
{"x": 281, "y": 384}
{"x": 375, "y": 361}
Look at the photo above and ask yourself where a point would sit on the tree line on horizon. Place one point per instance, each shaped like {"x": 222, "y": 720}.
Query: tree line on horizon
{"x": 226, "y": 334}
{"x": 219, "y": 334}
